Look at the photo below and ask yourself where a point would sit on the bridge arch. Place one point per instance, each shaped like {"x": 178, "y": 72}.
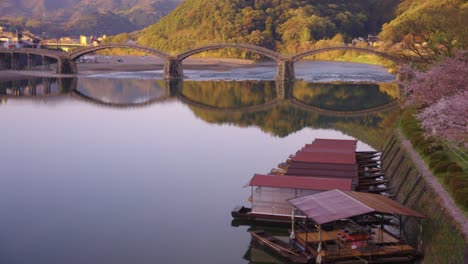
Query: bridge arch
{"x": 392, "y": 105}
{"x": 253, "y": 48}
{"x": 302, "y": 55}
{"x": 39, "y": 52}
{"x": 64, "y": 64}
{"x": 95, "y": 101}
{"x": 83, "y": 51}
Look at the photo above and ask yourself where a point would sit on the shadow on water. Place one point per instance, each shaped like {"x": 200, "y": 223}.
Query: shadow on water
{"x": 360, "y": 110}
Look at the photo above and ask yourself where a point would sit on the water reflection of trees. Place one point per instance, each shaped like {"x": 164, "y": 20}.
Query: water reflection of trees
{"x": 230, "y": 94}
{"x": 285, "y": 118}
{"x": 344, "y": 96}
{"x": 246, "y": 103}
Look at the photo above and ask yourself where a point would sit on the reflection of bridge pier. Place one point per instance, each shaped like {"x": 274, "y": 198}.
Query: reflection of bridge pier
{"x": 284, "y": 89}
{"x": 173, "y": 87}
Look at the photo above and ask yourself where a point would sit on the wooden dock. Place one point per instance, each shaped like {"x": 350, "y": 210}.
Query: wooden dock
{"x": 379, "y": 245}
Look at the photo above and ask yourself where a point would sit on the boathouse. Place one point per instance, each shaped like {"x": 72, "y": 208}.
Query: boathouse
{"x": 329, "y": 238}
{"x": 270, "y": 193}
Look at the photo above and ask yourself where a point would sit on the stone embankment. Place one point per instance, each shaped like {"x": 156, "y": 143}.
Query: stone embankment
{"x": 445, "y": 230}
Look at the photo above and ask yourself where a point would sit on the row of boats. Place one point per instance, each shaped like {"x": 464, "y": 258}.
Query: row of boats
{"x": 336, "y": 206}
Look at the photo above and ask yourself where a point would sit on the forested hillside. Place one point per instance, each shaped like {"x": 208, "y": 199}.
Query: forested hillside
{"x": 285, "y": 25}
{"x": 429, "y": 29}
{"x": 87, "y": 17}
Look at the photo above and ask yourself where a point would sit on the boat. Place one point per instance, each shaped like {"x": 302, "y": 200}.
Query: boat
{"x": 244, "y": 215}
{"x": 284, "y": 249}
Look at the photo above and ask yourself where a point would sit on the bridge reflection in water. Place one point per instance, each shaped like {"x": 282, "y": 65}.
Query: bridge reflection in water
{"x": 273, "y": 106}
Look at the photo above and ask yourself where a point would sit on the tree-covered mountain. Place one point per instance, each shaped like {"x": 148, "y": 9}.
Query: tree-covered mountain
{"x": 58, "y": 17}
{"x": 285, "y": 25}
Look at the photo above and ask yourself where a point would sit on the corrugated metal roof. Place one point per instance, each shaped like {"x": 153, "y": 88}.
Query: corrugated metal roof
{"x": 318, "y": 172}
{"x": 341, "y": 158}
{"x": 293, "y": 182}
{"x": 341, "y": 142}
{"x": 329, "y": 150}
{"x": 334, "y": 205}
{"x": 323, "y": 166}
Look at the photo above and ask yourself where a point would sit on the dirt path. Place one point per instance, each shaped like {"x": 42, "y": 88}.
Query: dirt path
{"x": 430, "y": 179}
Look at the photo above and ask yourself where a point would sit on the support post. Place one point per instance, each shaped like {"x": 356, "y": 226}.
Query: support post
{"x": 45, "y": 63}
{"x": 30, "y": 62}
{"x": 173, "y": 68}
{"x": 46, "y": 86}
{"x": 15, "y": 61}
{"x": 3, "y": 62}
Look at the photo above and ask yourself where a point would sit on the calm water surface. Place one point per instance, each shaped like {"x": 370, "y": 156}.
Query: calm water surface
{"x": 123, "y": 168}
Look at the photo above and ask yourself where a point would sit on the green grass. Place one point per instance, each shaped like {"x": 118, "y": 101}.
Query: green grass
{"x": 447, "y": 162}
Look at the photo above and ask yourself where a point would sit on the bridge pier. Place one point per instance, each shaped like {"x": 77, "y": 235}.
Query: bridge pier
{"x": 66, "y": 66}
{"x": 285, "y": 70}
{"x": 173, "y": 69}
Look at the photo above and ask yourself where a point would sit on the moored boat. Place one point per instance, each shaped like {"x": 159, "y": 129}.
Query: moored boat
{"x": 284, "y": 249}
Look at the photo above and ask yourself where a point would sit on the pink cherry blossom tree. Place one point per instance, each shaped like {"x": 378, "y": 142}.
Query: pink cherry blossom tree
{"x": 442, "y": 92}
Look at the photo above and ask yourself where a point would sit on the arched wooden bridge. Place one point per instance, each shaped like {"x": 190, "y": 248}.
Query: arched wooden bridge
{"x": 173, "y": 68}
{"x": 75, "y": 54}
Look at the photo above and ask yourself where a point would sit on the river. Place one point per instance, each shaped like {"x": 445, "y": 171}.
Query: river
{"x": 127, "y": 168}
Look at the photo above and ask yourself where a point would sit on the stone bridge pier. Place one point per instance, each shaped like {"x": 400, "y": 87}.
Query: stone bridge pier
{"x": 66, "y": 66}
{"x": 173, "y": 69}
{"x": 285, "y": 70}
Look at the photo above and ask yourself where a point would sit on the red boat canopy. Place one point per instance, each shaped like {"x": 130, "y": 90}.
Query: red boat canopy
{"x": 334, "y": 205}
{"x": 328, "y": 151}
{"x": 319, "y": 157}
{"x": 295, "y": 182}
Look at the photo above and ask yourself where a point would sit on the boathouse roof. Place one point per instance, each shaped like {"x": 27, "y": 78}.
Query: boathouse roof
{"x": 334, "y": 205}
{"x": 295, "y": 182}
{"x": 325, "y": 157}
{"x": 328, "y": 151}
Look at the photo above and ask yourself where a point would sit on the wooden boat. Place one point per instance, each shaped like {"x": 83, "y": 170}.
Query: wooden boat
{"x": 281, "y": 247}
{"x": 244, "y": 215}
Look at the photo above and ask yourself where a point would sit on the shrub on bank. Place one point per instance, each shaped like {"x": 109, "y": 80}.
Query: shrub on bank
{"x": 461, "y": 195}
{"x": 454, "y": 168}
{"x": 442, "y": 166}
{"x": 438, "y": 156}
